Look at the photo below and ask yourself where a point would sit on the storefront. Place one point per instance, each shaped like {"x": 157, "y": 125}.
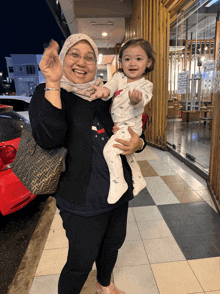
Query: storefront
{"x": 184, "y": 114}
{"x": 191, "y": 81}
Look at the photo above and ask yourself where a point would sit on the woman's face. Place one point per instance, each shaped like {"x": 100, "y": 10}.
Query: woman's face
{"x": 79, "y": 64}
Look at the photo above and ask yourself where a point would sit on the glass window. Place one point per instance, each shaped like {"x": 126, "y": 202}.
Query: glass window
{"x": 193, "y": 38}
{"x": 11, "y": 125}
{"x": 30, "y": 69}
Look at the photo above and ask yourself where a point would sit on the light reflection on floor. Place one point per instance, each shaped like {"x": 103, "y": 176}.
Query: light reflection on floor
{"x": 190, "y": 138}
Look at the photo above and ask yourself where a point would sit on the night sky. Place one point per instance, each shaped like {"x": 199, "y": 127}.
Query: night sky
{"x": 25, "y": 26}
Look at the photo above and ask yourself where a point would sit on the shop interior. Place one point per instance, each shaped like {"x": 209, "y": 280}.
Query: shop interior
{"x": 191, "y": 82}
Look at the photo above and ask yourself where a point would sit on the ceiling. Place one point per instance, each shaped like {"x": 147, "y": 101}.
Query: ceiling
{"x": 98, "y": 16}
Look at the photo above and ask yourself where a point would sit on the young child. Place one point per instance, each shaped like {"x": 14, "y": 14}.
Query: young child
{"x": 132, "y": 93}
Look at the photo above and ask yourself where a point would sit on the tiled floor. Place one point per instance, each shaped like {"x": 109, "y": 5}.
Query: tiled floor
{"x": 173, "y": 236}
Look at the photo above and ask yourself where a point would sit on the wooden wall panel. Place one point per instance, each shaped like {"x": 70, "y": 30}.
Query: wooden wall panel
{"x": 134, "y": 25}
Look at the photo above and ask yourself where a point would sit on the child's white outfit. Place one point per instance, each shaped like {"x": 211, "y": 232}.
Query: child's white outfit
{"x": 124, "y": 114}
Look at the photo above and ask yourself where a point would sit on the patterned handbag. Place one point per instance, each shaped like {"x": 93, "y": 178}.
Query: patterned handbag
{"x": 37, "y": 168}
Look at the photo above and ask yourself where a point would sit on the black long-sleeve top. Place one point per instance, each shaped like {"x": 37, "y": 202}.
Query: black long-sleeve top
{"x": 84, "y": 186}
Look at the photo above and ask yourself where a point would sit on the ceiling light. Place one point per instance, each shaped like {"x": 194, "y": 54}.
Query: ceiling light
{"x": 104, "y": 34}
{"x": 92, "y": 22}
{"x": 110, "y": 23}
{"x": 206, "y": 48}
{"x": 210, "y": 3}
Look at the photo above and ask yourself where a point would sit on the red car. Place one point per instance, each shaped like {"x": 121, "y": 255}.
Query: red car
{"x": 13, "y": 194}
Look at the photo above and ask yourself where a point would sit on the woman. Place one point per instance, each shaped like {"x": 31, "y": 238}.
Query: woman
{"x": 61, "y": 114}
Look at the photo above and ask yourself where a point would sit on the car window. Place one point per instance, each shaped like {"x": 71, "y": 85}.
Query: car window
{"x": 11, "y": 125}
{"x": 18, "y": 105}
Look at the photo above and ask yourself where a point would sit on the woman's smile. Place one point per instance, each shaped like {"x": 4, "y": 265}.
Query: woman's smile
{"x": 80, "y": 72}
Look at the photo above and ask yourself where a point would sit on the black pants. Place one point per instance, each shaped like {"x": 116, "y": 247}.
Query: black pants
{"x": 91, "y": 239}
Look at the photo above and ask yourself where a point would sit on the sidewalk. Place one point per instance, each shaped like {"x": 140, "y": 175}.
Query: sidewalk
{"x": 173, "y": 237}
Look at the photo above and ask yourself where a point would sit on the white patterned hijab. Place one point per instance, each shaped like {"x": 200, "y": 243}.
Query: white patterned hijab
{"x": 82, "y": 90}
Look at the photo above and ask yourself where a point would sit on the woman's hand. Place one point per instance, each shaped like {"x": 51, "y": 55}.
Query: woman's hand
{"x": 50, "y": 64}
{"x": 135, "y": 96}
{"x": 131, "y": 146}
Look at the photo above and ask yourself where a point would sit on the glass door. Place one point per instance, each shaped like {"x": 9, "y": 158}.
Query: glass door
{"x": 191, "y": 79}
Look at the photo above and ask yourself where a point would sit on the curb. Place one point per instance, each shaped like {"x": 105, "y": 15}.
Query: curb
{"x": 26, "y": 271}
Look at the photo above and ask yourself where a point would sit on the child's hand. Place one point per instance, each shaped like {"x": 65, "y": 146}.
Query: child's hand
{"x": 135, "y": 96}
{"x": 100, "y": 92}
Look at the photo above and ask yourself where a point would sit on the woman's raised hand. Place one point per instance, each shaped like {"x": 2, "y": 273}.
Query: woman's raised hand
{"x": 50, "y": 64}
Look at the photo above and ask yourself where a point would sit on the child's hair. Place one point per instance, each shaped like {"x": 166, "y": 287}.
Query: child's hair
{"x": 145, "y": 45}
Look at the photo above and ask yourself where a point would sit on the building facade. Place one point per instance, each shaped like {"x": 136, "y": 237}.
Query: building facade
{"x": 24, "y": 70}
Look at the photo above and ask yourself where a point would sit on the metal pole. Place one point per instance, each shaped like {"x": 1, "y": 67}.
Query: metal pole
{"x": 187, "y": 93}
{"x": 199, "y": 92}
{"x": 192, "y": 93}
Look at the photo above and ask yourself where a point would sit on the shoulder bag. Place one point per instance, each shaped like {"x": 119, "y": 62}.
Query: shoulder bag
{"x": 37, "y": 168}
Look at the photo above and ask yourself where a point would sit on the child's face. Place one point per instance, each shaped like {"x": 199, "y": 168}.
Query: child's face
{"x": 134, "y": 62}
